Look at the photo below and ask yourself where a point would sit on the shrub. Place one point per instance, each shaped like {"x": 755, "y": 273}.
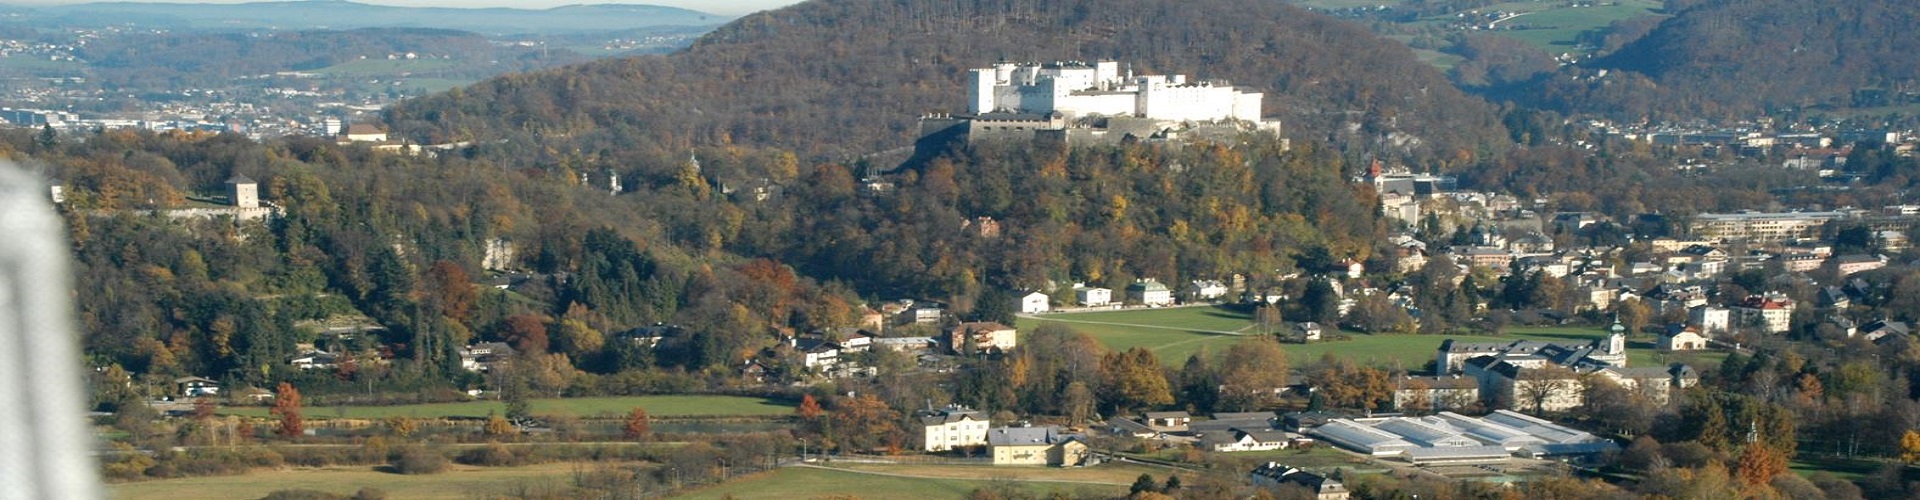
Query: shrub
{"x": 491, "y": 455}
{"x": 419, "y": 460}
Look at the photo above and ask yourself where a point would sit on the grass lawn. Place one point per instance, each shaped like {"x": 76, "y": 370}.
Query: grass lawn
{"x": 908, "y": 481}
{"x": 658, "y": 406}
{"x": 1177, "y": 333}
{"x": 459, "y": 482}
{"x": 1851, "y": 469}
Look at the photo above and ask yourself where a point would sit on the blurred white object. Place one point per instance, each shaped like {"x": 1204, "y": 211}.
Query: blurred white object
{"x": 44, "y": 447}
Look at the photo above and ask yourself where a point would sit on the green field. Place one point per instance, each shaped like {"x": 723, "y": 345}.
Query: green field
{"x": 1554, "y": 30}
{"x": 1175, "y": 334}
{"x": 658, "y": 406}
{"x": 387, "y": 67}
{"x": 914, "y": 482}
{"x": 459, "y": 482}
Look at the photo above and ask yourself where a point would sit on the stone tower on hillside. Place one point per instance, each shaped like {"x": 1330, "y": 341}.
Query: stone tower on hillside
{"x": 243, "y": 192}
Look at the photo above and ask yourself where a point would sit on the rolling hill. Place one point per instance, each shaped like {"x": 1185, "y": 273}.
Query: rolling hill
{"x": 1740, "y": 57}
{"x": 349, "y": 15}
{"x": 834, "y": 78}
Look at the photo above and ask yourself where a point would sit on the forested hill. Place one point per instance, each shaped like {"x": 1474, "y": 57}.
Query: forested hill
{"x": 307, "y": 15}
{"x": 841, "y": 77}
{"x": 1739, "y": 57}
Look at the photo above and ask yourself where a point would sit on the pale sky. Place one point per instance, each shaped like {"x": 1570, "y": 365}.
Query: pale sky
{"x": 722, "y": 7}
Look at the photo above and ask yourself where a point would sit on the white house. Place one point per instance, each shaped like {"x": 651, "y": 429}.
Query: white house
{"x": 1035, "y": 302}
{"x": 951, "y": 427}
{"x": 1679, "y": 338}
{"x": 1149, "y": 292}
{"x": 1237, "y": 439}
{"x": 1092, "y": 296}
{"x": 1710, "y": 319}
{"x": 1200, "y": 290}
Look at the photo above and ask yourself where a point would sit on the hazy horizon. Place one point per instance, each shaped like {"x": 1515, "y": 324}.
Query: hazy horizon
{"x": 721, "y": 7}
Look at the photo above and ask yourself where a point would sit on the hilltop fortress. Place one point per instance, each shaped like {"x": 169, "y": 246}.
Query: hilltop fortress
{"x": 1078, "y": 102}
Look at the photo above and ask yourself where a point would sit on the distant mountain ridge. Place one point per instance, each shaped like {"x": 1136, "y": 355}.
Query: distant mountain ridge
{"x": 847, "y": 77}
{"x": 1732, "y": 58}
{"x": 339, "y": 14}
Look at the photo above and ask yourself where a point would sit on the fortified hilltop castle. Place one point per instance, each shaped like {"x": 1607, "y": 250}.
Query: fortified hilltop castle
{"x": 1078, "y": 102}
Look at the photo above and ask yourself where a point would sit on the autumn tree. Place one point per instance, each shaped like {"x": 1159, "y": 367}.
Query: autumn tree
{"x": 1250, "y": 373}
{"x": 1758, "y": 464}
{"x": 286, "y": 406}
{"x": 869, "y": 422}
{"x": 402, "y": 426}
{"x": 639, "y": 426}
{"x": 526, "y": 332}
{"x": 1910, "y": 447}
{"x": 1133, "y": 380}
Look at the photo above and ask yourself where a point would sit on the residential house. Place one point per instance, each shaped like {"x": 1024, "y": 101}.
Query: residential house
{"x": 1149, "y": 292}
{"x": 910, "y": 345}
{"x": 981, "y": 336}
{"x": 1769, "y": 313}
{"x": 1832, "y": 297}
{"x": 1205, "y": 290}
{"x": 1883, "y": 328}
{"x": 1494, "y": 258}
{"x": 1274, "y": 475}
{"x": 1036, "y": 446}
{"x": 1847, "y": 265}
{"x": 1307, "y": 331}
{"x": 1169, "y": 421}
{"x": 1801, "y": 262}
{"x": 194, "y": 387}
{"x": 816, "y": 353}
{"x": 1092, "y": 296}
{"x": 314, "y": 358}
{"x": 364, "y": 132}
{"x": 1238, "y": 439}
{"x": 1682, "y": 338}
{"x": 484, "y": 356}
{"x": 1711, "y": 320}
{"x": 1035, "y": 302}
{"x": 952, "y": 427}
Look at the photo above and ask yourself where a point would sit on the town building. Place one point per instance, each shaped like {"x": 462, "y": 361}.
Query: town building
{"x": 981, "y": 336}
{"x": 1444, "y": 392}
{"x": 1682, "y": 338}
{"x": 1768, "y": 313}
{"x": 1149, "y": 292}
{"x": 485, "y": 356}
{"x": 952, "y": 427}
{"x": 1449, "y": 437}
{"x": 1035, "y": 302}
{"x": 1711, "y": 320}
{"x": 1092, "y": 296}
{"x": 1045, "y": 445}
{"x": 1762, "y": 226}
{"x": 1323, "y": 488}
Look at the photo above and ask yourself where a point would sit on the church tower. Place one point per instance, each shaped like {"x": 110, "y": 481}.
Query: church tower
{"x": 1616, "y": 338}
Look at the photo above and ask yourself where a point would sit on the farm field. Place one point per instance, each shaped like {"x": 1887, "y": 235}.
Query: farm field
{"x": 1177, "y": 333}
{"x": 1554, "y": 30}
{"x": 918, "y": 481}
{"x": 458, "y": 483}
{"x": 658, "y": 406}
{"x": 386, "y": 67}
